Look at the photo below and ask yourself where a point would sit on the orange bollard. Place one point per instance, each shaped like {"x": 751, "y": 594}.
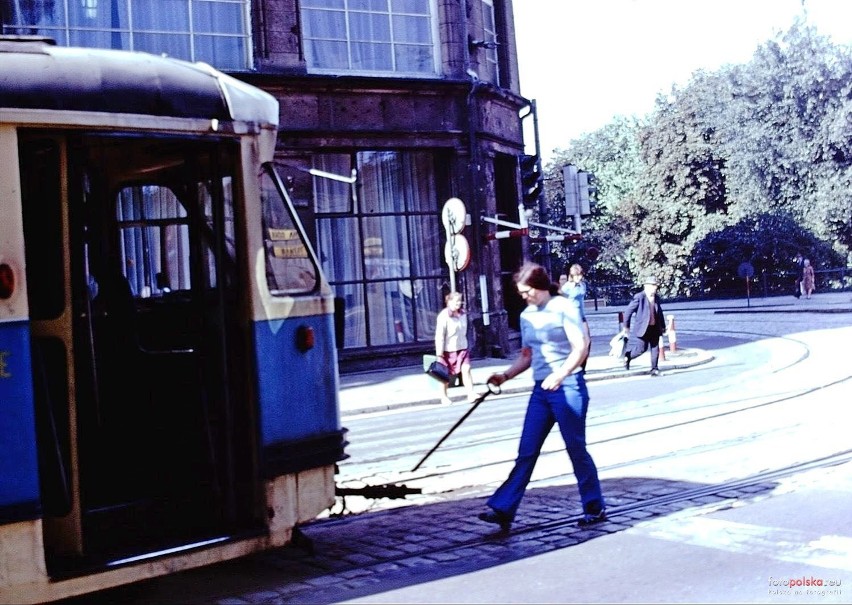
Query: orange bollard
{"x": 671, "y": 333}
{"x": 662, "y": 350}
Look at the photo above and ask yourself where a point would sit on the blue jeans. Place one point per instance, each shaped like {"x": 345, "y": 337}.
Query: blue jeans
{"x": 566, "y": 406}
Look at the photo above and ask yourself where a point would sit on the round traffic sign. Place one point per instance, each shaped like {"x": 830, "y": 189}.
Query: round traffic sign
{"x": 453, "y": 215}
{"x": 746, "y": 270}
{"x": 457, "y": 253}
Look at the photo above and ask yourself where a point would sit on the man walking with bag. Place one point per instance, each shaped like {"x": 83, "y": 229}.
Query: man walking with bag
{"x": 644, "y": 324}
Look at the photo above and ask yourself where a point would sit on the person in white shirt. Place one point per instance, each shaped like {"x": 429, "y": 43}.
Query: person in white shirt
{"x": 554, "y": 345}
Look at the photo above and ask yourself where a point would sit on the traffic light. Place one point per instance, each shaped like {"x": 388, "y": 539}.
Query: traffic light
{"x": 586, "y": 190}
{"x": 532, "y": 183}
{"x": 569, "y": 178}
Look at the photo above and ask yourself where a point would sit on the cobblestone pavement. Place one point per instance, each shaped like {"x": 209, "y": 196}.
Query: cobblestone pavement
{"x": 353, "y": 557}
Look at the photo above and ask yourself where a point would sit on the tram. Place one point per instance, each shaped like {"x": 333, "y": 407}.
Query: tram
{"x": 168, "y": 370}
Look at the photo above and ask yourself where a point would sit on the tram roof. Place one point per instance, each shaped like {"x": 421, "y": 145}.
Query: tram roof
{"x": 37, "y": 74}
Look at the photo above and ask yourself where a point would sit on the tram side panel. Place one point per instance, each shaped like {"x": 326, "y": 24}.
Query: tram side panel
{"x": 20, "y": 508}
{"x": 301, "y": 438}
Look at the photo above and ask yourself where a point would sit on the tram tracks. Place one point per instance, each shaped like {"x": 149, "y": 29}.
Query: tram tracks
{"x": 620, "y": 517}
{"x": 655, "y": 432}
{"x": 671, "y": 424}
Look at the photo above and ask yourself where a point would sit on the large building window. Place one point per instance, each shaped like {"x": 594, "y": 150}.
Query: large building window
{"x": 491, "y": 64}
{"x": 370, "y": 36}
{"x": 213, "y": 31}
{"x": 381, "y": 250}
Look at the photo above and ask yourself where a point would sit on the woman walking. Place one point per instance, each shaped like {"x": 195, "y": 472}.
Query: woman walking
{"x": 808, "y": 278}
{"x": 554, "y": 344}
{"x": 451, "y": 344}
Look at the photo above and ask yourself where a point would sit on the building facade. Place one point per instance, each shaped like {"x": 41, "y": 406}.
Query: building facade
{"x": 416, "y": 101}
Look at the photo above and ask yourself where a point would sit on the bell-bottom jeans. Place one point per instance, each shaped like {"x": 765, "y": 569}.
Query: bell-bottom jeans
{"x": 566, "y": 406}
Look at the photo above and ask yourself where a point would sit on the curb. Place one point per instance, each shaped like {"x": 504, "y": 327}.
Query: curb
{"x": 686, "y": 358}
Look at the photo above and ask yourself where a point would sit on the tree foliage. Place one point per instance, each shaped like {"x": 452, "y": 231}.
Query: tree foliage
{"x": 756, "y": 158}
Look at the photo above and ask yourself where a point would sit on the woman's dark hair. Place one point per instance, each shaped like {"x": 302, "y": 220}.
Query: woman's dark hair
{"x": 535, "y": 276}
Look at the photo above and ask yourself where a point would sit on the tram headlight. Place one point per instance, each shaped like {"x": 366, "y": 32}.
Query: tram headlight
{"x": 7, "y": 281}
{"x": 305, "y": 338}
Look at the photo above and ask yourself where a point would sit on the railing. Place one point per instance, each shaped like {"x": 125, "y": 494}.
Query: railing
{"x": 699, "y": 288}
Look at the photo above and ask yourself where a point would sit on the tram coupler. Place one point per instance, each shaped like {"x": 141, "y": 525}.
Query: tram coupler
{"x": 387, "y": 490}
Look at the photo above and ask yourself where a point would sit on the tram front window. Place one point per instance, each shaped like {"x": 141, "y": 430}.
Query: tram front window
{"x": 290, "y": 267}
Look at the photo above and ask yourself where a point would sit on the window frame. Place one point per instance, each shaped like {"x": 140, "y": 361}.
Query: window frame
{"x": 435, "y": 44}
{"x": 61, "y": 26}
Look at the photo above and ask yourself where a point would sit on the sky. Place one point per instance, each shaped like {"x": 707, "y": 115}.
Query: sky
{"x": 587, "y": 61}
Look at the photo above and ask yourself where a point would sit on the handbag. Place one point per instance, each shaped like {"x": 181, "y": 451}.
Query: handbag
{"x": 439, "y": 372}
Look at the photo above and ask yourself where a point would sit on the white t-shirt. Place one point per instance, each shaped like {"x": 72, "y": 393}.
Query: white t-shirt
{"x": 545, "y": 331}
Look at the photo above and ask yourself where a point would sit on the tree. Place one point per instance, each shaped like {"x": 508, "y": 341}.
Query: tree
{"x": 720, "y": 157}
{"x": 767, "y": 241}
{"x": 788, "y": 142}
{"x": 612, "y": 155}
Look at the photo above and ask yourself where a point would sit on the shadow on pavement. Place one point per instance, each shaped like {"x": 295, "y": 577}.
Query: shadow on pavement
{"x": 367, "y": 554}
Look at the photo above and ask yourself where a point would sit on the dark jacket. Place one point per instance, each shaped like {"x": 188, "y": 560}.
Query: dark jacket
{"x": 641, "y": 307}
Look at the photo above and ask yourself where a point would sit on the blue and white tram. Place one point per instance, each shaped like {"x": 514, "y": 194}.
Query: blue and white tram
{"x": 168, "y": 373}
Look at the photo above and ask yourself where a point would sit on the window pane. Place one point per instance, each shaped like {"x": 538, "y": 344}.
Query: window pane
{"x": 369, "y": 27}
{"x": 380, "y": 176}
{"x": 429, "y": 300}
{"x": 339, "y": 250}
{"x": 387, "y": 315}
{"x": 328, "y": 25}
{"x": 331, "y": 195}
{"x": 153, "y": 249}
{"x": 369, "y": 5}
{"x": 161, "y": 15}
{"x": 415, "y": 7}
{"x": 419, "y": 182}
{"x": 100, "y": 39}
{"x": 57, "y": 34}
{"x": 354, "y": 316}
{"x": 218, "y": 17}
{"x": 41, "y": 197}
{"x": 289, "y": 266}
{"x": 414, "y": 59}
{"x": 371, "y": 57}
{"x": 386, "y": 247}
{"x": 323, "y": 4}
{"x": 412, "y": 29}
{"x": 175, "y": 46}
{"x": 328, "y": 55}
{"x": 225, "y": 52}
{"x": 34, "y": 12}
{"x": 102, "y": 14}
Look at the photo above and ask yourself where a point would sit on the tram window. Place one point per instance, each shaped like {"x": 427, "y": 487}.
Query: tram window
{"x": 290, "y": 266}
{"x": 154, "y": 236}
{"x": 41, "y": 200}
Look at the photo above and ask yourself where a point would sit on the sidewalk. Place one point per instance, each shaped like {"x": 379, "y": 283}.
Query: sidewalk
{"x": 382, "y": 390}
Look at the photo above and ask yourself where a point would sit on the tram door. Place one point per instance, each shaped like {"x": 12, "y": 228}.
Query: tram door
{"x": 159, "y": 411}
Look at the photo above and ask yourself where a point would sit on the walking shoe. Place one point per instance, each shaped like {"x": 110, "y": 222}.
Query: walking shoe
{"x": 590, "y": 519}
{"x": 654, "y": 372}
{"x": 496, "y": 517}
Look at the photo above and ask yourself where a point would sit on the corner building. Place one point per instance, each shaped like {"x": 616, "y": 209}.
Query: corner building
{"x": 419, "y": 99}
